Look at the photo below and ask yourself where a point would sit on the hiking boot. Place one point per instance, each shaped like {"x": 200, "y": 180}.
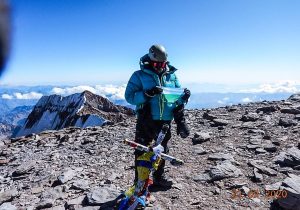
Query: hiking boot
{"x": 179, "y": 118}
{"x": 162, "y": 181}
{"x": 182, "y": 129}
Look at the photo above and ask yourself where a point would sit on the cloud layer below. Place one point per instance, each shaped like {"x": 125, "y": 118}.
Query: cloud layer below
{"x": 110, "y": 91}
{"x": 31, "y": 95}
{"x": 116, "y": 92}
{"x": 280, "y": 87}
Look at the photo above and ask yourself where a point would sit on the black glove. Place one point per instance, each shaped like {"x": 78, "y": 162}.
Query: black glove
{"x": 187, "y": 94}
{"x": 153, "y": 91}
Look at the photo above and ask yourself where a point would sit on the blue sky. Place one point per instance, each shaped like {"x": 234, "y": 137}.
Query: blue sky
{"x": 209, "y": 41}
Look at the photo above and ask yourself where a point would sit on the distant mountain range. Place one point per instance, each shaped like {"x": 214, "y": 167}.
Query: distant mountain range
{"x": 14, "y": 118}
{"x": 17, "y": 102}
{"x": 8, "y": 105}
{"x": 213, "y": 100}
{"x": 28, "y": 96}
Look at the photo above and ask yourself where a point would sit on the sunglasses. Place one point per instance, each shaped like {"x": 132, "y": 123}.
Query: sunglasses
{"x": 159, "y": 64}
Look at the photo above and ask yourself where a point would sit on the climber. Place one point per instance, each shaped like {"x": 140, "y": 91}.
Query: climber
{"x": 144, "y": 89}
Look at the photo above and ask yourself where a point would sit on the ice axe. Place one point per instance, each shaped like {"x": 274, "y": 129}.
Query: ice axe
{"x": 161, "y": 136}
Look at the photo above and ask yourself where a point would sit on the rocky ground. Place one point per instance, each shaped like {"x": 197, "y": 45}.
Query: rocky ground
{"x": 232, "y": 156}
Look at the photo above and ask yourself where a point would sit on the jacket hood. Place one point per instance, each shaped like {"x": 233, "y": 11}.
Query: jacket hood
{"x": 145, "y": 66}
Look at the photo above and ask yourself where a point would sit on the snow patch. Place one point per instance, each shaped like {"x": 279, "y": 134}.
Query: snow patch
{"x": 84, "y": 100}
{"x": 93, "y": 120}
{"x": 48, "y": 121}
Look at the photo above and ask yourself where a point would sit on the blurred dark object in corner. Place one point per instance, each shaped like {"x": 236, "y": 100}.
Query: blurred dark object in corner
{"x": 4, "y": 33}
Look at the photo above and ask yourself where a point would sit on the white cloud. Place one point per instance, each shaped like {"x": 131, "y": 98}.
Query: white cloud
{"x": 220, "y": 102}
{"x": 246, "y": 100}
{"x": 279, "y": 87}
{"x": 7, "y": 96}
{"x": 223, "y": 101}
{"x": 72, "y": 90}
{"x": 31, "y": 95}
{"x": 112, "y": 92}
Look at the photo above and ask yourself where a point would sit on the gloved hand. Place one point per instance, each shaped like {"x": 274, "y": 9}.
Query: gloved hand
{"x": 187, "y": 94}
{"x": 158, "y": 149}
{"x": 153, "y": 91}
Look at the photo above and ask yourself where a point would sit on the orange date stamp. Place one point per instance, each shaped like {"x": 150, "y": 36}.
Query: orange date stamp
{"x": 256, "y": 193}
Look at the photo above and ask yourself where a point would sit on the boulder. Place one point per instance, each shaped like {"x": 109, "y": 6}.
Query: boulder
{"x": 80, "y": 185}
{"x": 292, "y": 185}
{"x": 199, "y": 150}
{"x": 290, "y": 110}
{"x": 205, "y": 177}
{"x": 200, "y": 137}
{"x": 66, "y": 176}
{"x": 250, "y": 117}
{"x": 102, "y": 195}
{"x": 8, "y": 195}
{"x": 267, "y": 109}
{"x": 270, "y": 148}
{"x": 290, "y": 158}
{"x": 255, "y": 140}
{"x": 294, "y": 97}
{"x": 257, "y": 176}
{"x": 262, "y": 169}
{"x": 220, "y": 156}
{"x": 224, "y": 170}
{"x": 260, "y": 151}
{"x": 75, "y": 201}
{"x": 48, "y": 197}
{"x": 297, "y": 117}
{"x": 24, "y": 168}
{"x": 232, "y": 108}
{"x": 285, "y": 122}
{"x": 208, "y": 116}
{"x": 257, "y": 131}
{"x": 7, "y": 206}
{"x": 3, "y": 161}
{"x": 219, "y": 122}
{"x": 274, "y": 186}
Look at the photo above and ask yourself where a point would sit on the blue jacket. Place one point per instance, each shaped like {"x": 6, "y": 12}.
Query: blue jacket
{"x": 145, "y": 79}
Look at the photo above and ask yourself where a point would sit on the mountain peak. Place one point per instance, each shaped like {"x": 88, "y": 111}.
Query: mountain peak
{"x": 84, "y": 109}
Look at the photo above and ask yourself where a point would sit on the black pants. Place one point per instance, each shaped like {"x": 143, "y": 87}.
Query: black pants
{"x": 147, "y": 130}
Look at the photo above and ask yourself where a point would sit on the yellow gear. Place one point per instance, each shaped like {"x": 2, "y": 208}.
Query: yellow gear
{"x": 144, "y": 170}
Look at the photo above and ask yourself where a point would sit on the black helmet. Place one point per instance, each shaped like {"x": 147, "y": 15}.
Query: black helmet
{"x": 158, "y": 53}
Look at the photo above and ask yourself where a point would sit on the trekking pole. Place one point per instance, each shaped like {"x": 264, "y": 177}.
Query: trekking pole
{"x": 140, "y": 147}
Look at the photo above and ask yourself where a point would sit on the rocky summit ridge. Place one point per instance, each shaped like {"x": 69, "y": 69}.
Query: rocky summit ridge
{"x": 84, "y": 109}
{"x": 233, "y": 155}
